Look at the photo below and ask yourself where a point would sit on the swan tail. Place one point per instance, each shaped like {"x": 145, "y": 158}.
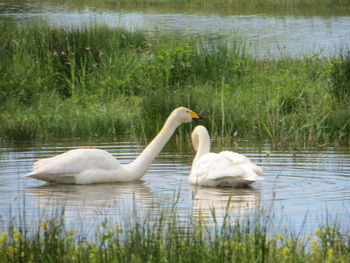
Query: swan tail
{"x": 53, "y": 178}
{"x": 252, "y": 172}
{"x": 37, "y": 175}
{"x": 32, "y": 175}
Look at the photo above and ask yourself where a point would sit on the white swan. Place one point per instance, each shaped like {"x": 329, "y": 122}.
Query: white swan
{"x": 91, "y": 166}
{"x": 220, "y": 169}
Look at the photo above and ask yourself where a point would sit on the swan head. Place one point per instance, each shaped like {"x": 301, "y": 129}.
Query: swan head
{"x": 183, "y": 114}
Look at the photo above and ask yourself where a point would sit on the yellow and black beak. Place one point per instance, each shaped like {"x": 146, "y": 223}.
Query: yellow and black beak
{"x": 196, "y": 117}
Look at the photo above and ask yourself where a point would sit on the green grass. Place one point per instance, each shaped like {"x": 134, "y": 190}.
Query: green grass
{"x": 167, "y": 241}
{"x": 99, "y": 81}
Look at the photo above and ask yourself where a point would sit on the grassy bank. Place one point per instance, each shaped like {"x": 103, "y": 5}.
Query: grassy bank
{"x": 105, "y": 82}
{"x": 166, "y": 241}
{"x": 266, "y": 4}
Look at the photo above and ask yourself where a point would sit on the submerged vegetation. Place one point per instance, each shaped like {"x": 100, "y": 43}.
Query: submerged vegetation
{"x": 167, "y": 241}
{"x": 100, "y": 81}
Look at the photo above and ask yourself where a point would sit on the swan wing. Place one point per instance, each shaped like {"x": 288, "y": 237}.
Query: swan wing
{"x": 242, "y": 161}
{"x": 72, "y": 163}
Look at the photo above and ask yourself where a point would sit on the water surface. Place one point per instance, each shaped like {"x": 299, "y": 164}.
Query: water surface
{"x": 298, "y": 184}
{"x": 267, "y": 32}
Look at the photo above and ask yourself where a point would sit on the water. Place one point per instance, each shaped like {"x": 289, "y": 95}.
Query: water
{"x": 298, "y": 184}
{"x": 268, "y": 33}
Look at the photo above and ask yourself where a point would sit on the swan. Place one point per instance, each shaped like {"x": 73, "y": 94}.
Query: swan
{"x": 92, "y": 166}
{"x": 219, "y": 169}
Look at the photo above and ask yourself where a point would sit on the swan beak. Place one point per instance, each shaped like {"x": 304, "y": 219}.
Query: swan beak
{"x": 196, "y": 117}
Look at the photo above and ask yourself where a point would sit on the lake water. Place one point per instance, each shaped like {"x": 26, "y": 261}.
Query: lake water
{"x": 298, "y": 184}
{"x": 267, "y": 32}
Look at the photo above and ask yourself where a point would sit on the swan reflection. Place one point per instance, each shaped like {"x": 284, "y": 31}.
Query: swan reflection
{"x": 236, "y": 203}
{"x": 91, "y": 202}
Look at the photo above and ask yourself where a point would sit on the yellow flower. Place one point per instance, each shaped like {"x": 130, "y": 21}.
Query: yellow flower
{"x": 329, "y": 252}
{"x": 12, "y": 251}
{"x": 318, "y": 232}
{"x": 308, "y": 238}
{"x": 3, "y": 237}
{"x": 279, "y": 237}
{"x": 17, "y": 236}
{"x": 314, "y": 246}
{"x": 329, "y": 255}
{"x": 43, "y": 225}
{"x": 328, "y": 229}
{"x": 285, "y": 251}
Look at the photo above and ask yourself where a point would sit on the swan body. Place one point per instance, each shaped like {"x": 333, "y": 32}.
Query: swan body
{"x": 92, "y": 166}
{"x": 220, "y": 169}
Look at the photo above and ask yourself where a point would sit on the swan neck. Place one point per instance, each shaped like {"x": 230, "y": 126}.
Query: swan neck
{"x": 203, "y": 146}
{"x": 141, "y": 164}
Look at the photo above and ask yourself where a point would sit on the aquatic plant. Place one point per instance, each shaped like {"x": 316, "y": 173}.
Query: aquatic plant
{"x": 169, "y": 241}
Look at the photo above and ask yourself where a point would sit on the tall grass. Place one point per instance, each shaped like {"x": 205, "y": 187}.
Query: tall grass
{"x": 99, "y": 81}
{"x": 168, "y": 241}
{"x": 341, "y": 76}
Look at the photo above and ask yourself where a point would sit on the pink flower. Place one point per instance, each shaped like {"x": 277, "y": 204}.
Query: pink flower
{"x": 88, "y": 48}
{"x": 63, "y": 53}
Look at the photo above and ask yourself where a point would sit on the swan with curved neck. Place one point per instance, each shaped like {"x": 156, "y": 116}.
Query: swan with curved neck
{"x": 220, "y": 169}
{"x": 91, "y": 166}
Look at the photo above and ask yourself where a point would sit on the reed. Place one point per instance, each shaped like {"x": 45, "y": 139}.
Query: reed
{"x": 341, "y": 75}
{"x": 99, "y": 81}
